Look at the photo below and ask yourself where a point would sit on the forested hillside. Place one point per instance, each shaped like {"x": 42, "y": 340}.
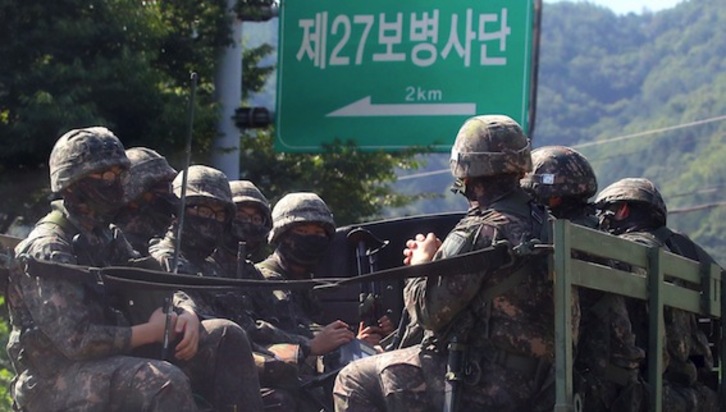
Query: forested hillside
{"x": 605, "y": 77}
{"x": 639, "y": 95}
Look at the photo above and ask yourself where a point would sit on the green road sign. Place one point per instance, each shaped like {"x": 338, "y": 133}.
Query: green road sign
{"x": 391, "y": 75}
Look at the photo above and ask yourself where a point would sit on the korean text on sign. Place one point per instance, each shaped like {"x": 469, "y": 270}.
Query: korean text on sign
{"x": 395, "y": 37}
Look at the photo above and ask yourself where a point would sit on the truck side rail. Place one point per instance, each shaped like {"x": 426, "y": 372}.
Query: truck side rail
{"x": 698, "y": 290}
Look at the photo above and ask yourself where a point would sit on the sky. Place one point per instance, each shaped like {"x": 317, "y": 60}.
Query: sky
{"x": 627, "y": 6}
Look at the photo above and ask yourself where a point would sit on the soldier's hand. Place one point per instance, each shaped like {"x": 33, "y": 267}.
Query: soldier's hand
{"x": 421, "y": 249}
{"x": 372, "y": 335}
{"x": 187, "y": 324}
{"x": 332, "y": 336}
{"x": 387, "y": 327}
{"x": 153, "y": 330}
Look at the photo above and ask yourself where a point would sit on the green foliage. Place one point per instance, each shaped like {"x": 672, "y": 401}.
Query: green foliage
{"x": 120, "y": 63}
{"x": 354, "y": 184}
{"x": 255, "y": 76}
{"x": 604, "y": 76}
{"x": 6, "y": 374}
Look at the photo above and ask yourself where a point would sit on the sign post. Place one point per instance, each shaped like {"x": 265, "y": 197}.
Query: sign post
{"x": 393, "y": 75}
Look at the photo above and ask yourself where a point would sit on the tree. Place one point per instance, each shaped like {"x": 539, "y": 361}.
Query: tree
{"x": 120, "y": 63}
{"x": 354, "y": 184}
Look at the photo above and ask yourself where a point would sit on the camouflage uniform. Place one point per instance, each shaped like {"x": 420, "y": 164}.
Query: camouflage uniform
{"x": 205, "y": 186}
{"x": 298, "y": 312}
{"x": 510, "y": 338}
{"x": 607, "y": 360}
{"x": 251, "y": 309}
{"x": 149, "y": 203}
{"x": 254, "y": 236}
{"x": 686, "y": 355}
{"x": 68, "y": 348}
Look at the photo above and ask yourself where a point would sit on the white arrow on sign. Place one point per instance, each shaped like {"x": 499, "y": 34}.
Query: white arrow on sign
{"x": 364, "y": 108}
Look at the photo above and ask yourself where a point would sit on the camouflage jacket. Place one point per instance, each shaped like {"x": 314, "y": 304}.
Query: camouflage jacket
{"x": 606, "y": 334}
{"x": 687, "y": 350}
{"x": 162, "y": 250}
{"x": 520, "y": 320}
{"x": 57, "y": 322}
{"x": 253, "y": 309}
{"x": 297, "y": 311}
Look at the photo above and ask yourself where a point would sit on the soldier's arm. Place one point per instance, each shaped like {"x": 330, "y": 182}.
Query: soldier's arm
{"x": 437, "y": 300}
{"x": 69, "y": 313}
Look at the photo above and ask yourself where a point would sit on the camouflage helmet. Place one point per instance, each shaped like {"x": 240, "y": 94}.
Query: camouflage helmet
{"x": 560, "y": 171}
{"x": 302, "y": 207}
{"x": 631, "y": 189}
{"x": 244, "y": 191}
{"x": 204, "y": 182}
{"x": 490, "y": 145}
{"x": 147, "y": 169}
{"x": 81, "y": 152}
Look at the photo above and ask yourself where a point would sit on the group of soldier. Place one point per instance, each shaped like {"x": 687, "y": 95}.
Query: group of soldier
{"x": 478, "y": 339}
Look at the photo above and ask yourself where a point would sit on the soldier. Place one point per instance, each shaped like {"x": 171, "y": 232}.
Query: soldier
{"x": 208, "y": 210}
{"x": 498, "y": 333}
{"x": 150, "y": 204}
{"x": 251, "y": 224}
{"x": 302, "y": 228}
{"x": 607, "y": 362}
{"x": 250, "y": 309}
{"x": 70, "y": 350}
{"x": 634, "y": 209}
{"x": 245, "y": 234}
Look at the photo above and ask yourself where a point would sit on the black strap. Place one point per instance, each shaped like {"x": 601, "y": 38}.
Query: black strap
{"x": 497, "y": 255}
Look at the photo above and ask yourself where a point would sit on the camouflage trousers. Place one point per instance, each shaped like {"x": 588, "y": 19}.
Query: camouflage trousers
{"x": 693, "y": 398}
{"x": 597, "y": 394}
{"x": 412, "y": 380}
{"x": 222, "y": 372}
{"x": 118, "y": 383}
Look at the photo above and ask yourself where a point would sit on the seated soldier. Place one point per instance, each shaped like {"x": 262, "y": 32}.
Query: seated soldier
{"x": 208, "y": 209}
{"x": 70, "y": 350}
{"x": 489, "y": 340}
{"x": 149, "y": 204}
{"x": 246, "y": 233}
{"x": 634, "y": 209}
{"x": 607, "y": 361}
{"x": 302, "y": 229}
{"x": 250, "y": 225}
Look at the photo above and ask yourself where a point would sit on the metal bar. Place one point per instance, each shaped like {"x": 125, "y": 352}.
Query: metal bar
{"x": 563, "y": 316}
{"x": 607, "y": 279}
{"x": 682, "y": 268}
{"x": 680, "y": 297}
{"x": 656, "y": 329}
{"x": 711, "y": 286}
{"x": 602, "y": 244}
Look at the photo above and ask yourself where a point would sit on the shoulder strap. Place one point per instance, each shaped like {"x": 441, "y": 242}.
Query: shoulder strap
{"x": 682, "y": 245}
{"x": 57, "y": 218}
{"x": 517, "y": 277}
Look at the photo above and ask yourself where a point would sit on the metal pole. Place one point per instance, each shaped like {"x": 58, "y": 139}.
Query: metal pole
{"x": 228, "y": 93}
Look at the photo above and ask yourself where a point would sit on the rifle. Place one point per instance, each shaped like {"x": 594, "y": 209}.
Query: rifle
{"x": 168, "y": 301}
{"x": 367, "y": 246}
{"x": 241, "y": 258}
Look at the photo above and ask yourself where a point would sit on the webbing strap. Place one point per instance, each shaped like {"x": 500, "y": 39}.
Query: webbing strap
{"x": 507, "y": 284}
{"x": 497, "y": 255}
